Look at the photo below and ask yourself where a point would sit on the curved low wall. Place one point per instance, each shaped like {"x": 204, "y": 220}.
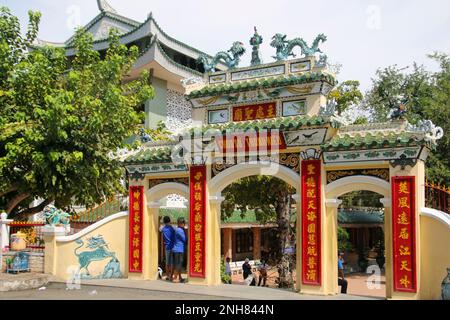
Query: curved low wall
{"x": 435, "y": 252}
{"x": 97, "y": 252}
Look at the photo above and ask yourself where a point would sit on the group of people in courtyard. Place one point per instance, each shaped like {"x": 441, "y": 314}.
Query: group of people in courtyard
{"x": 175, "y": 241}
{"x": 175, "y": 245}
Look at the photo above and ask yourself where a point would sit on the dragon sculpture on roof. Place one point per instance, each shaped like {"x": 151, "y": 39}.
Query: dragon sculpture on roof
{"x": 284, "y": 47}
{"x": 230, "y": 60}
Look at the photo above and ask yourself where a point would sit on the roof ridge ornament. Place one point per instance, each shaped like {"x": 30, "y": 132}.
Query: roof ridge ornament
{"x": 284, "y": 47}
{"x": 230, "y": 60}
{"x": 104, "y": 6}
{"x": 255, "y": 41}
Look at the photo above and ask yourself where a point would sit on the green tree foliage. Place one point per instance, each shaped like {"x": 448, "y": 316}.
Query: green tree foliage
{"x": 270, "y": 198}
{"x": 426, "y": 96}
{"x": 62, "y": 120}
{"x": 346, "y": 95}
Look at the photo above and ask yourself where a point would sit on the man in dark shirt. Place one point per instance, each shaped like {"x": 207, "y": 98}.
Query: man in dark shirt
{"x": 168, "y": 233}
{"x": 179, "y": 248}
{"x": 247, "y": 271}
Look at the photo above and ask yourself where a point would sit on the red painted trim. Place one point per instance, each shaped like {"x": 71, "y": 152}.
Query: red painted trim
{"x": 132, "y": 214}
{"x": 194, "y": 171}
{"x": 397, "y": 241}
{"x": 306, "y": 222}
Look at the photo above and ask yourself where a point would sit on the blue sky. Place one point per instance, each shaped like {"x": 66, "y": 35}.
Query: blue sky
{"x": 362, "y": 35}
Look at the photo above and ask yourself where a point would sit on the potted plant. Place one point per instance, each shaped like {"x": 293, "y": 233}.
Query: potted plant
{"x": 9, "y": 261}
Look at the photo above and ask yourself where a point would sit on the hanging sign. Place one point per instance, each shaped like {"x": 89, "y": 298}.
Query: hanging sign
{"x": 255, "y": 112}
{"x": 403, "y": 222}
{"x": 251, "y": 142}
{"x": 311, "y": 225}
{"x": 197, "y": 213}
{"x": 135, "y": 231}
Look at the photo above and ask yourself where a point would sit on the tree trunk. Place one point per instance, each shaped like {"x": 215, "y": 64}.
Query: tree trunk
{"x": 14, "y": 202}
{"x": 11, "y": 189}
{"x": 26, "y": 213}
{"x": 284, "y": 266}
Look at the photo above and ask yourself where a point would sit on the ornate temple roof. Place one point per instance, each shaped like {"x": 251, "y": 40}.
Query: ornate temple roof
{"x": 377, "y": 136}
{"x": 262, "y": 83}
{"x": 131, "y": 32}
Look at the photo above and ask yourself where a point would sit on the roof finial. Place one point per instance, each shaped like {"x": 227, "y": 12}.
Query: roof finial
{"x": 255, "y": 41}
{"x": 104, "y": 6}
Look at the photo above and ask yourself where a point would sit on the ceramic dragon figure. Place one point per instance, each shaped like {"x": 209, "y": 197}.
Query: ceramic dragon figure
{"x": 284, "y": 47}
{"x": 54, "y": 216}
{"x": 230, "y": 58}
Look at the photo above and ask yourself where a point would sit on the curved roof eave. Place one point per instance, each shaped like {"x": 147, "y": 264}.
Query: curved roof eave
{"x": 149, "y": 28}
{"x": 156, "y": 53}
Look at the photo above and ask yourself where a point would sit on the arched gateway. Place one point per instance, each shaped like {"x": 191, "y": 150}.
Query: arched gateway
{"x": 274, "y": 119}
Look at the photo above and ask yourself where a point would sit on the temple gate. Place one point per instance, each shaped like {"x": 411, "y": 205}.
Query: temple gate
{"x": 274, "y": 119}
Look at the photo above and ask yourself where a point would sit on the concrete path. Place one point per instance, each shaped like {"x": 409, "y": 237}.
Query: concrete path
{"x": 223, "y": 291}
{"x": 22, "y": 281}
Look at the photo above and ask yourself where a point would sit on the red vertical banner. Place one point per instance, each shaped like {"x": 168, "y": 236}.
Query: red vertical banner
{"x": 404, "y": 233}
{"x": 311, "y": 226}
{"x": 135, "y": 232}
{"x": 197, "y": 219}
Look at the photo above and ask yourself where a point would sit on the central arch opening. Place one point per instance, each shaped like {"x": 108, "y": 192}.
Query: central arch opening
{"x": 361, "y": 243}
{"x": 258, "y": 232}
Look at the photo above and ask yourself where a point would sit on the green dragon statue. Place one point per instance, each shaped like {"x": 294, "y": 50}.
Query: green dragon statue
{"x": 284, "y": 47}
{"x": 231, "y": 61}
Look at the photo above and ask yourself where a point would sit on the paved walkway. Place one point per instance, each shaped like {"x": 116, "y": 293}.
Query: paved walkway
{"x": 223, "y": 291}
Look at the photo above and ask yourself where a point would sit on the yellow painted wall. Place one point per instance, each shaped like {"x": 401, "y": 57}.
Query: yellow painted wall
{"x": 115, "y": 234}
{"x": 435, "y": 258}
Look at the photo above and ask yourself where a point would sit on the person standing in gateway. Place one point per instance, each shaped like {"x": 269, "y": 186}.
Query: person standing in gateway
{"x": 179, "y": 248}
{"x": 168, "y": 233}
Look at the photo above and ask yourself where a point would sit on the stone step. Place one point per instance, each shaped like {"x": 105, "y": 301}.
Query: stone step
{"x": 22, "y": 281}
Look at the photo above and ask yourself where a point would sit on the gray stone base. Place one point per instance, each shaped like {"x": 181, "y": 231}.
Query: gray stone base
{"x": 22, "y": 281}
{"x": 36, "y": 262}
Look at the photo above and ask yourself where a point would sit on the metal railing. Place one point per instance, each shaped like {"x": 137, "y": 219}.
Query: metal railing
{"x": 437, "y": 197}
{"x": 84, "y": 219}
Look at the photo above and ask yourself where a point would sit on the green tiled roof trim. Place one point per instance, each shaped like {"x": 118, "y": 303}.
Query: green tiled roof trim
{"x": 263, "y": 83}
{"x": 151, "y": 155}
{"x": 282, "y": 123}
{"x": 356, "y": 216}
{"x": 374, "y": 141}
{"x": 176, "y": 63}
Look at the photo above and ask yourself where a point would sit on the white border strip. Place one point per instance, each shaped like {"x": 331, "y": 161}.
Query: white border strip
{"x": 92, "y": 227}
{"x": 436, "y": 214}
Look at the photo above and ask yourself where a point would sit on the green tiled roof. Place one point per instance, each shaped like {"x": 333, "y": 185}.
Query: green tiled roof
{"x": 282, "y": 123}
{"x": 374, "y": 141}
{"x": 356, "y": 216}
{"x": 263, "y": 83}
{"x": 151, "y": 155}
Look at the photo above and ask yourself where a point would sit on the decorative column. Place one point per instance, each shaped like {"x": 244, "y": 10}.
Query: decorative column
{"x": 408, "y": 197}
{"x": 227, "y": 243}
{"x": 330, "y": 245}
{"x": 4, "y": 236}
{"x": 213, "y": 240}
{"x": 404, "y": 234}
{"x": 136, "y": 230}
{"x": 151, "y": 250}
{"x": 311, "y": 226}
{"x": 256, "y": 243}
{"x": 50, "y": 254}
{"x": 387, "y": 203}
